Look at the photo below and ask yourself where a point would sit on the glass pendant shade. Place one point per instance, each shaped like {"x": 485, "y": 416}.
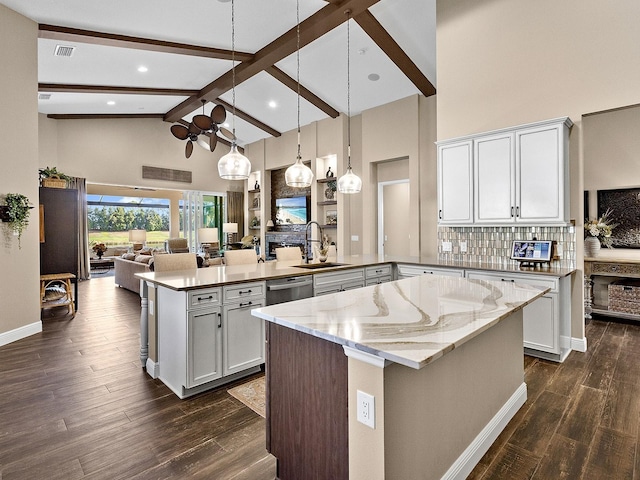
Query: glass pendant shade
{"x": 298, "y": 175}
{"x": 349, "y": 182}
{"x": 234, "y": 165}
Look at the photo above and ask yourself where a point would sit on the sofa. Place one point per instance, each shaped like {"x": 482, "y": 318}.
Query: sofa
{"x": 125, "y": 271}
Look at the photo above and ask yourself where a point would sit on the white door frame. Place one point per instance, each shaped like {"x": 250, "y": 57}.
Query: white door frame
{"x": 381, "y": 186}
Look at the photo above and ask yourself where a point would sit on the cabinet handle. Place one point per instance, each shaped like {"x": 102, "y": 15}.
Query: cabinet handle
{"x": 508, "y": 280}
{"x": 378, "y": 271}
{"x": 242, "y": 293}
{"x": 440, "y": 214}
{"x": 205, "y": 298}
{"x": 219, "y": 320}
{"x": 246, "y": 304}
{"x": 511, "y": 212}
{"x": 517, "y": 211}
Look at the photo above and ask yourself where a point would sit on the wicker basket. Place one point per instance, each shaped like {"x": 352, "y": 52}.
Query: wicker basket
{"x": 54, "y": 181}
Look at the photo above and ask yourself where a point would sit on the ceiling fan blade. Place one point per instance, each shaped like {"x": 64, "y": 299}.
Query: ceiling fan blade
{"x": 188, "y": 150}
{"x": 202, "y": 122}
{"x": 193, "y": 128}
{"x": 227, "y": 133}
{"x": 180, "y": 131}
{"x": 213, "y": 141}
{"x": 218, "y": 114}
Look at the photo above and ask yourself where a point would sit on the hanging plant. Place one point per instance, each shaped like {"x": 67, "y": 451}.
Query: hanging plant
{"x": 16, "y": 213}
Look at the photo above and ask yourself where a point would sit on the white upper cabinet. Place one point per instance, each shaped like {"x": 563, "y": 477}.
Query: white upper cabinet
{"x": 455, "y": 183}
{"x": 517, "y": 175}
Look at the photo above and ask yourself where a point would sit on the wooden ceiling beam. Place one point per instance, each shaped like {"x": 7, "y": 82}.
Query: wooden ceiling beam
{"x": 124, "y": 41}
{"x": 305, "y": 93}
{"x": 388, "y": 45}
{"x": 101, "y": 116}
{"x": 248, "y": 118}
{"x": 64, "y": 88}
{"x": 315, "y": 26}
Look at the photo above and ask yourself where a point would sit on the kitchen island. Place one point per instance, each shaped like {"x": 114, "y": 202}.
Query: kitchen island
{"x": 441, "y": 357}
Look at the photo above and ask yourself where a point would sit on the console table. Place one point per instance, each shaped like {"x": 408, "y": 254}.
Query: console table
{"x": 600, "y": 271}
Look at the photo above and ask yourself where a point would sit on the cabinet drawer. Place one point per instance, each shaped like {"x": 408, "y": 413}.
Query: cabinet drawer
{"x": 414, "y": 270}
{"x": 378, "y": 280}
{"x": 377, "y": 271}
{"x": 237, "y": 293}
{"x": 339, "y": 278}
{"x": 536, "y": 281}
{"x": 204, "y": 297}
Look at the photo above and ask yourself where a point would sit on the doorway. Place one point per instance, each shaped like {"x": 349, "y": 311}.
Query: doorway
{"x": 393, "y": 217}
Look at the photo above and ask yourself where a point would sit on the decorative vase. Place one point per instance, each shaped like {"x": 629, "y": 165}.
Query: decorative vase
{"x": 99, "y": 255}
{"x": 591, "y": 246}
{"x": 322, "y": 258}
{"x": 329, "y": 173}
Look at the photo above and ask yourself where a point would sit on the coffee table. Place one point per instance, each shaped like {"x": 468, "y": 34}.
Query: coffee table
{"x": 101, "y": 265}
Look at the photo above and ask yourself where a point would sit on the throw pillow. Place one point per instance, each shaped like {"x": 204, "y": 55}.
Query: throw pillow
{"x": 143, "y": 258}
{"x": 129, "y": 256}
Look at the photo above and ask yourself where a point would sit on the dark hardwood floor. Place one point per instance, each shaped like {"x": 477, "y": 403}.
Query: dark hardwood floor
{"x": 76, "y": 404}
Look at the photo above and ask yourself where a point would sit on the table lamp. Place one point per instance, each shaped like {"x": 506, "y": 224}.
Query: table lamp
{"x": 207, "y": 236}
{"x": 137, "y": 237}
{"x": 230, "y": 229}
{"x": 269, "y": 225}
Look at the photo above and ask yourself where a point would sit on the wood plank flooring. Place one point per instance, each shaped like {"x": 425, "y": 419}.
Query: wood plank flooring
{"x": 76, "y": 404}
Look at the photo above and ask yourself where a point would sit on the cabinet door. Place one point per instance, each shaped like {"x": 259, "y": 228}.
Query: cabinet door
{"x": 541, "y": 175}
{"x": 540, "y": 320}
{"x": 243, "y": 337}
{"x": 455, "y": 183}
{"x": 494, "y": 179}
{"x": 204, "y": 354}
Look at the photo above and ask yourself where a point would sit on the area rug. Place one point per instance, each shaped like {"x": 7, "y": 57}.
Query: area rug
{"x": 251, "y": 394}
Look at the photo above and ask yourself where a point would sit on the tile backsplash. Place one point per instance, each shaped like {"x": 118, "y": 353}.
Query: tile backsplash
{"x": 493, "y": 244}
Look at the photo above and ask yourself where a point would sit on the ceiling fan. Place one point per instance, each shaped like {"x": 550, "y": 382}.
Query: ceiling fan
{"x": 203, "y": 125}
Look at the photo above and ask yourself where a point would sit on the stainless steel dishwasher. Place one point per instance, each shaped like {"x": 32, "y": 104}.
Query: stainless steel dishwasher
{"x": 290, "y": 288}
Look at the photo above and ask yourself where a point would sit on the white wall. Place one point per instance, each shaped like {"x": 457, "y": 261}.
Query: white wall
{"x": 20, "y": 267}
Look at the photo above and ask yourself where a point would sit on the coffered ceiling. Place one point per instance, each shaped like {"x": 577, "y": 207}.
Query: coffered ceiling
{"x": 186, "y": 49}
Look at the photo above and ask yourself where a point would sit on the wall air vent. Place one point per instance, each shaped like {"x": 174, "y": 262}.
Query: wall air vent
{"x": 63, "y": 51}
{"x": 44, "y": 96}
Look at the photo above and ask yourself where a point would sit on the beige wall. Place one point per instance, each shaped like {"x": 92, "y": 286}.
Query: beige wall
{"x": 20, "y": 267}
{"x": 506, "y": 62}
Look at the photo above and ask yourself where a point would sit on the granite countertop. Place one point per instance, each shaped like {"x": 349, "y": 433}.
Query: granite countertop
{"x": 224, "y": 275}
{"x": 412, "y": 322}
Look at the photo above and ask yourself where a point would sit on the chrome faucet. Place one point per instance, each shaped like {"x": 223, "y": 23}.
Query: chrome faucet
{"x": 306, "y": 238}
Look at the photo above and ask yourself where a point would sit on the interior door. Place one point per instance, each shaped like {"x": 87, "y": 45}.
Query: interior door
{"x": 393, "y": 217}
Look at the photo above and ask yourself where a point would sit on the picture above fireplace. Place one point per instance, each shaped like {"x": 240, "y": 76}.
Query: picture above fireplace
{"x": 625, "y": 207}
{"x": 292, "y": 211}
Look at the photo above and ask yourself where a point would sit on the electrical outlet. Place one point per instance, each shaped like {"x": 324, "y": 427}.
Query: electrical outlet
{"x": 355, "y": 238}
{"x": 463, "y": 247}
{"x": 366, "y": 409}
{"x": 447, "y": 246}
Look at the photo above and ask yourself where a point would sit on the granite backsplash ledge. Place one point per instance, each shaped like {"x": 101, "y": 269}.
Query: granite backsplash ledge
{"x": 493, "y": 244}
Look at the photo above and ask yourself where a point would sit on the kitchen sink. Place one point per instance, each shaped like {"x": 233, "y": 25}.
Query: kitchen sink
{"x": 319, "y": 265}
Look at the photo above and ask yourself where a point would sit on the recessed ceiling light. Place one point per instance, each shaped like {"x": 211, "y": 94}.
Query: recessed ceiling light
{"x": 111, "y": 102}
{"x": 142, "y": 69}
{"x": 273, "y": 104}
{"x": 374, "y": 77}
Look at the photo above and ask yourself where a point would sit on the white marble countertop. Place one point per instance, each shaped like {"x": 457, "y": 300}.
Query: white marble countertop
{"x": 412, "y": 321}
{"x": 223, "y": 275}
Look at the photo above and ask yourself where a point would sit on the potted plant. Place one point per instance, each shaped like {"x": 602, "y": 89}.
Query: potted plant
{"x": 15, "y": 213}
{"x": 99, "y": 249}
{"x": 598, "y": 232}
{"x": 52, "y": 178}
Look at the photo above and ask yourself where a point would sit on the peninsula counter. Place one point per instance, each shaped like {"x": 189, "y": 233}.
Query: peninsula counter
{"x": 442, "y": 357}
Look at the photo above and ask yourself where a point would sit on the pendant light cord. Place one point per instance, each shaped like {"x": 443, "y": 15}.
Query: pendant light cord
{"x": 348, "y": 12}
{"x": 233, "y": 67}
{"x": 298, "y": 68}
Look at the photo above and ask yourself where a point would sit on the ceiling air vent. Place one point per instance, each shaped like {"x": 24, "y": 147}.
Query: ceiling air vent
{"x": 63, "y": 51}
{"x": 44, "y": 96}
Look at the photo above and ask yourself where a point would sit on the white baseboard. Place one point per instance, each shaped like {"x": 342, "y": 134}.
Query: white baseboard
{"x": 579, "y": 344}
{"x": 152, "y": 368}
{"x": 465, "y": 463}
{"x": 20, "y": 333}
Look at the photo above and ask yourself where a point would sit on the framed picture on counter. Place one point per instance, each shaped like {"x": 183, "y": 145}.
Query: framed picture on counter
{"x": 332, "y": 217}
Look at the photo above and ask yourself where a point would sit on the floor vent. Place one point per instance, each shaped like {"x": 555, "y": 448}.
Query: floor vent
{"x": 44, "y": 96}
{"x": 63, "y": 51}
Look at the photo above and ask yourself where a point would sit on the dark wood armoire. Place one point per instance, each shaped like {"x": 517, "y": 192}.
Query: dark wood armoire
{"x": 59, "y": 242}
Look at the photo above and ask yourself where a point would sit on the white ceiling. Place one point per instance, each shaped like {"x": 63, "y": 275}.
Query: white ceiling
{"x": 323, "y": 63}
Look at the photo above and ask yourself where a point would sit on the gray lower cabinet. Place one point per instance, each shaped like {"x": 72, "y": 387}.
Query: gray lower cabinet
{"x": 378, "y": 274}
{"x": 547, "y": 321}
{"x": 406, "y": 271}
{"x": 326, "y": 283}
{"x": 207, "y": 337}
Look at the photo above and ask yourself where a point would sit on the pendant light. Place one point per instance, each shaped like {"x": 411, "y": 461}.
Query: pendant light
{"x": 234, "y": 165}
{"x": 298, "y": 174}
{"x": 349, "y": 182}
